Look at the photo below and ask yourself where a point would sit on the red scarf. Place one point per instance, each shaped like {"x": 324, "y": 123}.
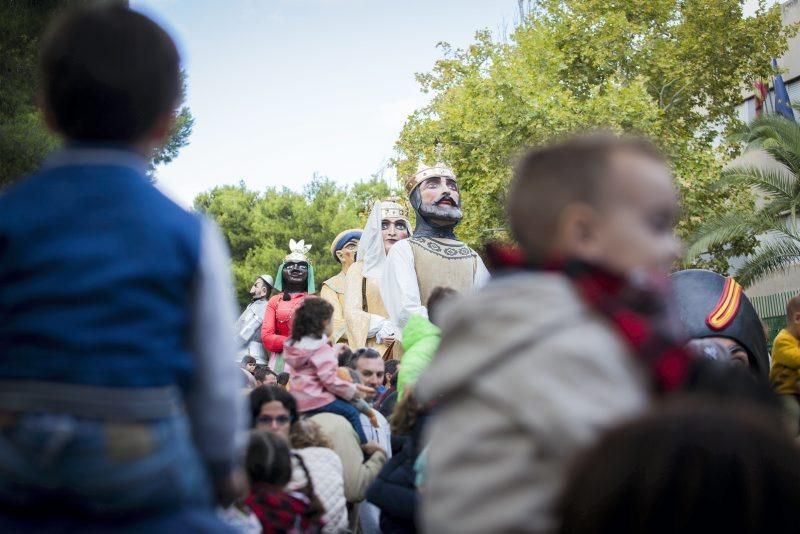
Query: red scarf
{"x": 280, "y": 512}
{"x": 640, "y": 311}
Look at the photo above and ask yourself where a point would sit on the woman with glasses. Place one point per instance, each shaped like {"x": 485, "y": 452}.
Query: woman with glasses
{"x": 275, "y": 410}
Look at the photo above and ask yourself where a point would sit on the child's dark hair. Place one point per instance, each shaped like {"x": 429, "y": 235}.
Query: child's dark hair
{"x": 310, "y": 318}
{"x": 246, "y": 360}
{"x": 267, "y": 459}
{"x": 345, "y": 355}
{"x": 725, "y": 382}
{"x": 262, "y": 371}
{"x": 690, "y": 465}
{"x": 283, "y": 378}
{"x": 108, "y": 74}
{"x": 390, "y": 368}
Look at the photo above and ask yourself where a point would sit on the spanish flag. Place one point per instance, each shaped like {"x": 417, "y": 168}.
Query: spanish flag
{"x": 761, "y": 97}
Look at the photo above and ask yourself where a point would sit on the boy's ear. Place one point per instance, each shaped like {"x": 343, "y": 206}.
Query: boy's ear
{"x": 47, "y": 113}
{"x": 796, "y": 317}
{"x": 162, "y": 129}
{"x": 578, "y": 231}
{"x": 157, "y": 135}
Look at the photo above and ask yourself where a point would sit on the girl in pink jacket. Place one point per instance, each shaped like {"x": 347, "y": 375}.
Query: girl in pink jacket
{"x": 314, "y": 383}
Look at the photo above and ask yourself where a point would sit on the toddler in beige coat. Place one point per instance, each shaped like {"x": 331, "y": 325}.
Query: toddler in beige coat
{"x": 528, "y": 372}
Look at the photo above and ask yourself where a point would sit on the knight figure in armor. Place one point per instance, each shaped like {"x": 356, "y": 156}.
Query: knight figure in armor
{"x": 248, "y": 327}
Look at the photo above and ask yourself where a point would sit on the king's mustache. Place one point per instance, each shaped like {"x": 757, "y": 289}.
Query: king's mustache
{"x": 446, "y": 197}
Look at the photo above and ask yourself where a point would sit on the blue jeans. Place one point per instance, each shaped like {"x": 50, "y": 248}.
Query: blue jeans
{"x": 97, "y": 469}
{"x": 346, "y": 410}
{"x": 194, "y": 520}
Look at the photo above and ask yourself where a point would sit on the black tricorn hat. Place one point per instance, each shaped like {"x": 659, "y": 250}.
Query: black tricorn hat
{"x": 711, "y": 305}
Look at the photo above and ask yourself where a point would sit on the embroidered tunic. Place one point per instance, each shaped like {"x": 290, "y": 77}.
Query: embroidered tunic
{"x": 415, "y": 266}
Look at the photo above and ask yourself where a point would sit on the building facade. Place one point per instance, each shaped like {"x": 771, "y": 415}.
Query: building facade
{"x": 769, "y": 296}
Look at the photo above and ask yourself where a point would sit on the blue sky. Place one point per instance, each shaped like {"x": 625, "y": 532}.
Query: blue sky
{"x": 281, "y": 89}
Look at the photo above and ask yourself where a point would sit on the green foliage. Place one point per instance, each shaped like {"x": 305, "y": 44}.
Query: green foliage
{"x": 668, "y": 69}
{"x": 179, "y": 137}
{"x": 258, "y": 226}
{"x": 774, "y": 223}
{"x": 24, "y": 139}
{"x": 24, "y": 143}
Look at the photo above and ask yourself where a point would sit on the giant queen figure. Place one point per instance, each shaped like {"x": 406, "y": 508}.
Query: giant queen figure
{"x": 433, "y": 256}
{"x": 368, "y": 323}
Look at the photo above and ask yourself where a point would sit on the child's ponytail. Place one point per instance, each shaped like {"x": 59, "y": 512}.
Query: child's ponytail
{"x": 315, "y": 509}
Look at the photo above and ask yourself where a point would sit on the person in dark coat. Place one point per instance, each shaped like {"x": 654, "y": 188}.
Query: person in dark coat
{"x": 388, "y": 400}
{"x": 395, "y": 491}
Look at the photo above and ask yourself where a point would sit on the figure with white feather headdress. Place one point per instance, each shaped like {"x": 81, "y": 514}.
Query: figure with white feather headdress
{"x": 294, "y": 280}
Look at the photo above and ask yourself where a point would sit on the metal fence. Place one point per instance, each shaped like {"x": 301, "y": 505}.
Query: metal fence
{"x": 772, "y": 310}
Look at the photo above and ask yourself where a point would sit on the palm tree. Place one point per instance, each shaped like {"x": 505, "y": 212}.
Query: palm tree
{"x": 774, "y": 222}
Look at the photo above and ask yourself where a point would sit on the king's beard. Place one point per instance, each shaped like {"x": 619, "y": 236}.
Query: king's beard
{"x": 442, "y": 215}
